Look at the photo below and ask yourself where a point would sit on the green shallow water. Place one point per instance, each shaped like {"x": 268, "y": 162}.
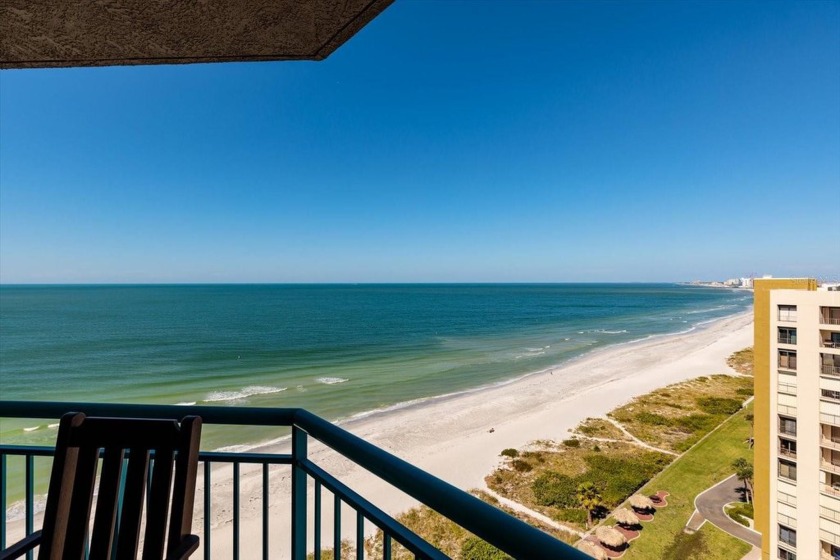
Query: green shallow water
{"x": 337, "y": 350}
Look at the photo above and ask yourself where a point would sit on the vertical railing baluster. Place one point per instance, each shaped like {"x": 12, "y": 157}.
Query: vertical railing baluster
{"x": 386, "y": 546}
{"x": 30, "y": 498}
{"x": 2, "y": 502}
{"x": 298, "y": 494}
{"x": 336, "y": 527}
{"x": 120, "y": 498}
{"x": 265, "y": 511}
{"x": 360, "y": 536}
{"x": 207, "y": 512}
{"x": 236, "y": 510}
{"x": 317, "y": 520}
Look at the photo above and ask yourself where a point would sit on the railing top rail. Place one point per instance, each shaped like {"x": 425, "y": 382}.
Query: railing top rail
{"x": 507, "y": 533}
{"x": 241, "y": 415}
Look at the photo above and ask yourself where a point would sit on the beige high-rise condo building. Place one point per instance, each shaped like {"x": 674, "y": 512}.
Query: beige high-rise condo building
{"x": 797, "y": 419}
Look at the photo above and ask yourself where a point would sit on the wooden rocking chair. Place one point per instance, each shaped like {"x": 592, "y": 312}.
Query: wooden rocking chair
{"x": 64, "y": 534}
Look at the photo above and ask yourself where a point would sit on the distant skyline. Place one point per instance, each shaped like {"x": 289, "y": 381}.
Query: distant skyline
{"x": 445, "y": 142}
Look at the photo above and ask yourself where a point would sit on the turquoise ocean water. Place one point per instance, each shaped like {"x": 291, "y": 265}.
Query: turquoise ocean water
{"x": 337, "y": 350}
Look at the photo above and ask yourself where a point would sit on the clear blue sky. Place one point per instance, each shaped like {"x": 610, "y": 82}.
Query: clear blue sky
{"x": 447, "y": 141}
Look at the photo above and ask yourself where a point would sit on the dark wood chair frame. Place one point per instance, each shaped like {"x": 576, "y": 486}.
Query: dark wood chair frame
{"x": 64, "y": 534}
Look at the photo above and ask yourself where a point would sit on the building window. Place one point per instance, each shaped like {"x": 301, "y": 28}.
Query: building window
{"x": 787, "y": 313}
{"x": 786, "y": 554}
{"x": 787, "y": 535}
{"x": 831, "y": 394}
{"x": 787, "y": 426}
{"x": 787, "y": 335}
{"x": 787, "y": 469}
{"x": 787, "y": 359}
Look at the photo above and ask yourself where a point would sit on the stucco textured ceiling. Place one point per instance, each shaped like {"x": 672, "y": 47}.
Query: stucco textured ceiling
{"x": 61, "y": 33}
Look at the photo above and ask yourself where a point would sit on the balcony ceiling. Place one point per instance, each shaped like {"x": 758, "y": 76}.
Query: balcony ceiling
{"x": 62, "y": 33}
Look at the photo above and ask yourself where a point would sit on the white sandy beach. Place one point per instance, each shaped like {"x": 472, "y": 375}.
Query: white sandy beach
{"x": 452, "y": 439}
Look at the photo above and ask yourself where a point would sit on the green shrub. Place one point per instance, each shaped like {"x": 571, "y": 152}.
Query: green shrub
{"x": 510, "y": 452}
{"x": 347, "y": 551}
{"x": 596, "y": 449}
{"x": 617, "y": 478}
{"x": 740, "y": 513}
{"x": 652, "y": 418}
{"x": 571, "y": 515}
{"x": 474, "y": 548}
{"x": 521, "y": 466}
{"x": 554, "y": 489}
{"x": 695, "y": 423}
{"x": 572, "y": 442}
{"x": 718, "y": 405}
{"x": 745, "y": 391}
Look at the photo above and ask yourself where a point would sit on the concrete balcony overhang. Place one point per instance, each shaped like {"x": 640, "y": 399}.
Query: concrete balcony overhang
{"x": 64, "y": 33}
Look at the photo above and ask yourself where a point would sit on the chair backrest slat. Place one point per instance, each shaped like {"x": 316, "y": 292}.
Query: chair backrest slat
{"x": 132, "y": 510}
{"x": 104, "y": 523}
{"x": 186, "y": 470}
{"x": 82, "y": 499}
{"x": 156, "y": 517}
{"x": 70, "y": 498}
{"x": 57, "y": 511}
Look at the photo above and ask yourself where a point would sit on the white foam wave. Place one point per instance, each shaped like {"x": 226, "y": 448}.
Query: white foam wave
{"x": 531, "y": 353}
{"x": 31, "y": 428}
{"x": 185, "y": 403}
{"x": 718, "y": 308}
{"x": 331, "y": 380}
{"x": 221, "y": 396}
{"x": 53, "y": 426}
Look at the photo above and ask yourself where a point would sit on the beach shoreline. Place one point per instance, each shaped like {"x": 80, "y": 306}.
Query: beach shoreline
{"x": 458, "y": 437}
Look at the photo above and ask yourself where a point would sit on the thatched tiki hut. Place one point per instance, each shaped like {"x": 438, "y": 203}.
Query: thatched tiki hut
{"x": 592, "y": 550}
{"x": 641, "y": 502}
{"x": 625, "y": 517}
{"x": 610, "y": 536}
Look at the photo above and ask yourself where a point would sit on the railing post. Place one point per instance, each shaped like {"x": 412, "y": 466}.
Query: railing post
{"x": 299, "y": 440}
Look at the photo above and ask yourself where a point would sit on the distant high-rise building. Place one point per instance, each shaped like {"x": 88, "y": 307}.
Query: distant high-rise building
{"x": 797, "y": 419}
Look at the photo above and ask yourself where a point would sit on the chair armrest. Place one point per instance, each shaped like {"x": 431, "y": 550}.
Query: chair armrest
{"x": 185, "y": 548}
{"x": 21, "y": 547}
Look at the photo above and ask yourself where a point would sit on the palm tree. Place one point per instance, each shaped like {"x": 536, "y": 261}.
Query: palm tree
{"x": 589, "y": 498}
{"x": 744, "y": 472}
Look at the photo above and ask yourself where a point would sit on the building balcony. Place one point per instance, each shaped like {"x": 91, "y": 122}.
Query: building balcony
{"x": 829, "y": 369}
{"x": 829, "y": 342}
{"x": 788, "y": 453}
{"x": 313, "y": 491}
{"x": 831, "y": 490}
{"x": 830, "y": 443}
{"x": 830, "y": 315}
{"x": 787, "y": 339}
{"x": 830, "y": 467}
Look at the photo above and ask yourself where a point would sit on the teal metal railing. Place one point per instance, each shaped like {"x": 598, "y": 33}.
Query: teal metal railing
{"x": 503, "y": 531}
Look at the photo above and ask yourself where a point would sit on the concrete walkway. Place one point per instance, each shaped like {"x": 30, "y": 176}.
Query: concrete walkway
{"x": 709, "y": 507}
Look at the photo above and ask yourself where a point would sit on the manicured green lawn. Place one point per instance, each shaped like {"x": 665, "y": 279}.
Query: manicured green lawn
{"x": 706, "y": 464}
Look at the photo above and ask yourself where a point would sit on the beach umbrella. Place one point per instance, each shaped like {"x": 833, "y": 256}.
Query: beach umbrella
{"x": 593, "y": 550}
{"x": 610, "y": 536}
{"x": 626, "y": 517}
{"x": 641, "y": 502}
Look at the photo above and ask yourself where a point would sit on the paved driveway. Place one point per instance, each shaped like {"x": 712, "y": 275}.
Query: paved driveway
{"x": 710, "y": 504}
